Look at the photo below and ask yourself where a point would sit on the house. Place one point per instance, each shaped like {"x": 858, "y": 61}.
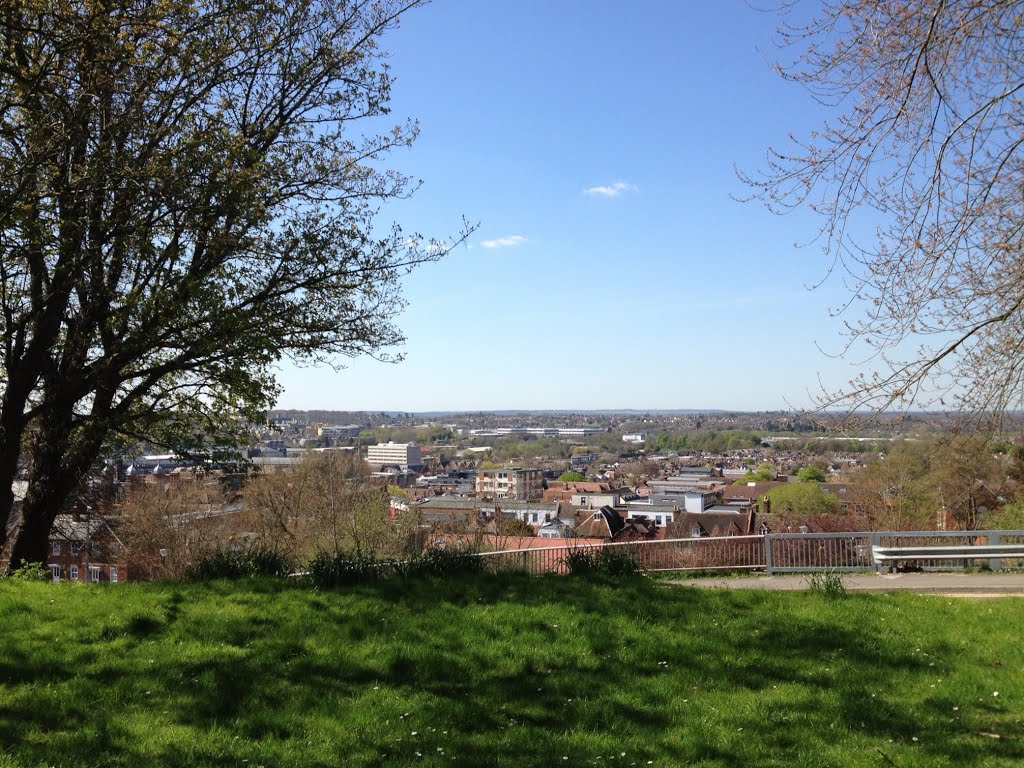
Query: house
{"x": 85, "y": 548}
{"x": 588, "y": 494}
{"x": 510, "y": 483}
{"x": 677, "y": 485}
{"x": 659, "y": 514}
{"x": 604, "y": 523}
{"x": 454, "y": 482}
{"x": 562, "y": 490}
{"x": 691, "y": 493}
{"x": 698, "y": 525}
{"x": 691, "y": 473}
{"x": 607, "y": 523}
{"x": 556, "y": 528}
{"x": 535, "y": 514}
{"x": 750, "y": 493}
{"x": 596, "y": 500}
{"x": 451, "y": 512}
{"x": 743, "y": 507}
{"x": 688, "y": 501}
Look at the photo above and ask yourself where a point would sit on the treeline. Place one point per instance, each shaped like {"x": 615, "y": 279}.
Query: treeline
{"x": 706, "y": 440}
{"x": 420, "y": 435}
{"x": 916, "y": 485}
{"x": 505, "y": 449}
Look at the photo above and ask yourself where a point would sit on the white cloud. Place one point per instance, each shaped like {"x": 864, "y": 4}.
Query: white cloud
{"x": 610, "y": 190}
{"x": 431, "y": 246}
{"x": 509, "y": 241}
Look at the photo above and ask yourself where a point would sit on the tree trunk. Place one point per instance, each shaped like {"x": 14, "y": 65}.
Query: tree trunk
{"x": 61, "y": 457}
{"x": 10, "y": 451}
{"x": 12, "y": 432}
{"x": 30, "y": 543}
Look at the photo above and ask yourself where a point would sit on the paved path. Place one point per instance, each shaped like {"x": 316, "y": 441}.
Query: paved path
{"x": 966, "y": 584}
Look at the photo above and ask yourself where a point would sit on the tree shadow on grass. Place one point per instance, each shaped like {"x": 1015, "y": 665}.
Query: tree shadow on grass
{"x": 519, "y": 671}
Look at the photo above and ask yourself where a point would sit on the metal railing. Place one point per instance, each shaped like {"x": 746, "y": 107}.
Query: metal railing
{"x": 708, "y": 553}
{"x": 808, "y": 552}
{"x": 772, "y": 553}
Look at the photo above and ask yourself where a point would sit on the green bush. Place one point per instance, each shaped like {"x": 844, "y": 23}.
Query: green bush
{"x": 602, "y": 561}
{"x": 241, "y": 565}
{"x": 446, "y": 562}
{"x": 30, "y": 572}
{"x": 340, "y": 569}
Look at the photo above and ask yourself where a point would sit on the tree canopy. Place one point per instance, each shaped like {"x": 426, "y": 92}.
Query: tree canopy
{"x": 915, "y": 484}
{"x": 763, "y": 473}
{"x": 801, "y": 500}
{"x": 811, "y": 474}
{"x": 917, "y": 177}
{"x": 186, "y": 198}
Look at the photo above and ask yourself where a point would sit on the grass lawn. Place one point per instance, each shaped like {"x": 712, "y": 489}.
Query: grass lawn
{"x": 504, "y": 671}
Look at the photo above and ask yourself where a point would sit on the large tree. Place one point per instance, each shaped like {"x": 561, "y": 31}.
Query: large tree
{"x": 327, "y": 504}
{"x": 186, "y": 197}
{"x": 894, "y": 492}
{"x": 796, "y": 500}
{"x": 918, "y": 177}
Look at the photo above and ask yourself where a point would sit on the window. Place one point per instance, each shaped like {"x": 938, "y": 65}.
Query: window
{"x": 74, "y": 547}
{"x": 54, "y": 547}
{"x": 113, "y": 575}
{"x": 114, "y": 551}
{"x": 73, "y": 573}
{"x": 54, "y": 573}
{"x": 94, "y": 573}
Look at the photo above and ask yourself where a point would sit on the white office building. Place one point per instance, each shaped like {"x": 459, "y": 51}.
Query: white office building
{"x": 402, "y": 455}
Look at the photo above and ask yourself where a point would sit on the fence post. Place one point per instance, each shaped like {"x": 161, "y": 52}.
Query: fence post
{"x": 876, "y": 541}
{"x": 768, "y": 554}
{"x": 996, "y": 564}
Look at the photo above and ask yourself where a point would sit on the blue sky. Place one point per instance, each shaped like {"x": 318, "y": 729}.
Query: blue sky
{"x": 596, "y": 142}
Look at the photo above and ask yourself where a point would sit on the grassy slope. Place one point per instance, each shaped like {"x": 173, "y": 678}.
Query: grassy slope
{"x": 504, "y": 671}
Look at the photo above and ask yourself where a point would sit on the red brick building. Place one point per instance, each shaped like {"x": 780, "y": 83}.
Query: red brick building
{"x": 84, "y": 548}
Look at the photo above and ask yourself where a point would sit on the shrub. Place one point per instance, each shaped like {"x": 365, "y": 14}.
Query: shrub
{"x": 602, "y": 561}
{"x": 240, "y": 565}
{"x": 346, "y": 568}
{"x": 446, "y": 562}
{"x": 341, "y": 569}
{"x": 30, "y": 572}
